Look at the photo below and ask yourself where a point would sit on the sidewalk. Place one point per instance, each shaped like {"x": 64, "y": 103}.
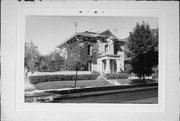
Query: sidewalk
{"x": 59, "y": 94}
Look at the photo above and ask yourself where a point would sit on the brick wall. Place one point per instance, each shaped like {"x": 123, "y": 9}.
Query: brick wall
{"x": 84, "y": 52}
{"x": 81, "y": 53}
{"x": 72, "y": 52}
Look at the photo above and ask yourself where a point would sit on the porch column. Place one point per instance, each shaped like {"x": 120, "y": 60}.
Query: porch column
{"x": 100, "y": 65}
{"x": 92, "y": 67}
{"x": 122, "y": 60}
{"x": 118, "y": 65}
{"x": 108, "y": 66}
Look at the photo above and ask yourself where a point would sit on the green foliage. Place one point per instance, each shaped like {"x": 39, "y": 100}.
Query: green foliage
{"x": 128, "y": 68}
{"x": 96, "y": 73}
{"x": 52, "y": 62}
{"x": 117, "y": 76}
{"x": 31, "y": 56}
{"x": 49, "y": 78}
{"x": 34, "y": 61}
{"x": 43, "y": 63}
{"x": 143, "y": 47}
{"x": 76, "y": 65}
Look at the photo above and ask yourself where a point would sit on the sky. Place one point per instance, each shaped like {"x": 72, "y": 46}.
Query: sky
{"x": 49, "y": 31}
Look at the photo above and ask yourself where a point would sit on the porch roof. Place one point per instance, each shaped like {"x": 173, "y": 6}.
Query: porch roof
{"x": 109, "y": 56}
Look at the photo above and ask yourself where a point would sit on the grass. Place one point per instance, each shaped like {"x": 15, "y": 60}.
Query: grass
{"x": 70, "y": 84}
{"x": 134, "y": 81}
{"x": 85, "y": 83}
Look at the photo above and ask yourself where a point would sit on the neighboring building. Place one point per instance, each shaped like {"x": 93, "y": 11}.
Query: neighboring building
{"x": 102, "y": 52}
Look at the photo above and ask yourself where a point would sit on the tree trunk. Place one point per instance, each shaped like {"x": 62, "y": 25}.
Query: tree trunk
{"x": 144, "y": 81}
{"x": 75, "y": 79}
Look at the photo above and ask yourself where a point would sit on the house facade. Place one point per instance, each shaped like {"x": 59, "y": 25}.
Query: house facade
{"x": 102, "y": 52}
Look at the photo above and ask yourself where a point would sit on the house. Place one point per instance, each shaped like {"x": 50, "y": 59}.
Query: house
{"x": 101, "y": 52}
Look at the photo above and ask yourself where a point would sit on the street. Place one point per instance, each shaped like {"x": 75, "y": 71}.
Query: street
{"x": 143, "y": 96}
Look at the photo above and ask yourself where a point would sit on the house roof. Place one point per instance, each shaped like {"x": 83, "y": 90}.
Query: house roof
{"x": 107, "y": 32}
{"x": 104, "y": 34}
{"x": 96, "y": 34}
{"x": 90, "y": 34}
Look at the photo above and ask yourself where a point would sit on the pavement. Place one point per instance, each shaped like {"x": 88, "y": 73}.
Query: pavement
{"x": 69, "y": 93}
{"x": 114, "y": 82}
{"x": 148, "y": 96}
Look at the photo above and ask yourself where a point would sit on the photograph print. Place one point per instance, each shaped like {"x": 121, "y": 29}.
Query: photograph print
{"x": 91, "y": 59}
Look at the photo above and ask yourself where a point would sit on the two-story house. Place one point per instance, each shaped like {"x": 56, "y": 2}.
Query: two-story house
{"x": 102, "y": 51}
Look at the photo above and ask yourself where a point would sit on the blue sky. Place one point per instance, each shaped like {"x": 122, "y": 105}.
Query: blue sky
{"x": 49, "y": 31}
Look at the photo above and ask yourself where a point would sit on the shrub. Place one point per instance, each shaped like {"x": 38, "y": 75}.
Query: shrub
{"x": 117, "y": 76}
{"x": 96, "y": 73}
{"x": 48, "y": 78}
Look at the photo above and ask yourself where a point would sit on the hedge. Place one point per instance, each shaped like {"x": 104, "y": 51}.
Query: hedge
{"x": 117, "y": 76}
{"x": 49, "y": 78}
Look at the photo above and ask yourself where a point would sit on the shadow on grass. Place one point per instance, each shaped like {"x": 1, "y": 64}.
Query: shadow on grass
{"x": 141, "y": 81}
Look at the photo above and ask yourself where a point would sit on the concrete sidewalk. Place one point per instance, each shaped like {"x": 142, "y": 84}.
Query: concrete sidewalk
{"x": 98, "y": 93}
{"x": 50, "y": 95}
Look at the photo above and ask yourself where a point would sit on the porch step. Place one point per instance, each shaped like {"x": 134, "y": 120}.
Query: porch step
{"x": 114, "y": 82}
{"x": 102, "y": 76}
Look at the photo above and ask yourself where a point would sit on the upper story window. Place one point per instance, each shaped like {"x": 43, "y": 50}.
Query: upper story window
{"x": 106, "y": 48}
{"x": 90, "y": 49}
{"x": 115, "y": 49}
{"x": 89, "y": 66}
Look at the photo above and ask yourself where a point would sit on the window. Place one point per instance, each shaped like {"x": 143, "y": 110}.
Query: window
{"x": 106, "y": 48}
{"x": 90, "y": 49}
{"x": 115, "y": 49}
{"x": 89, "y": 66}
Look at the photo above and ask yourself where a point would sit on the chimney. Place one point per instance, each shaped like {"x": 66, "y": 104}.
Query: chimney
{"x": 115, "y": 31}
{"x": 75, "y": 25}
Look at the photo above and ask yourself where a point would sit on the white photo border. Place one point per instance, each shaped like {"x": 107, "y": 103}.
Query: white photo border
{"x": 22, "y": 106}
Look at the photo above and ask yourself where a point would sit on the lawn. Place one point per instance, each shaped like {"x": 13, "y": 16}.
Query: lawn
{"x": 70, "y": 84}
{"x": 85, "y": 83}
{"x": 134, "y": 81}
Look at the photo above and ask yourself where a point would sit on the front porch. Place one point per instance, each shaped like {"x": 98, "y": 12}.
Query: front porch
{"x": 111, "y": 64}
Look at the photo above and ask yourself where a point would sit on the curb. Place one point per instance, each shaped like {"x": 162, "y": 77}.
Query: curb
{"x": 105, "y": 88}
{"x": 81, "y": 95}
{"x": 48, "y": 96}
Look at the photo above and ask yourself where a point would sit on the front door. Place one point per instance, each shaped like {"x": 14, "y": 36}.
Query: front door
{"x": 113, "y": 66}
{"x": 103, "y": 65}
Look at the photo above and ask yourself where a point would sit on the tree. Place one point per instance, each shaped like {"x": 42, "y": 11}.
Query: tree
{"x": 77, "y": 64}
{"x": 52, "y": 62}
{"x": 43, "y": 63}
{"x": 55, "y": 62}
{"x": 31, "y": 57}
{"x": 34, "y": 61}
{"x": 142, "y": 44}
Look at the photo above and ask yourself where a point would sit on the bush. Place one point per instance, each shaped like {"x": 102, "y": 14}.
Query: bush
{"x": 48, "y": 78}
{"x": 96, "y": 73}
{"x": 117, "y": 76}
